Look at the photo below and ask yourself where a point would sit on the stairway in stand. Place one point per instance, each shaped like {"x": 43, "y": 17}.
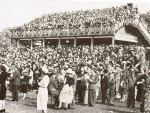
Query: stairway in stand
{"x": 143, "y": 29}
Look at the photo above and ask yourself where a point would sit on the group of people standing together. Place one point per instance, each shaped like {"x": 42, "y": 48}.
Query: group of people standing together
{"x": 107, "y": 73}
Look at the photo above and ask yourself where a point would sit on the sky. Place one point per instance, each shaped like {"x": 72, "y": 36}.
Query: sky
{"x": 17, "y": 12}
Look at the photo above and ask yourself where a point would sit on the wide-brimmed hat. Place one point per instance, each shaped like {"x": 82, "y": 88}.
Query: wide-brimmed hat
{"x": 69, "y": 71}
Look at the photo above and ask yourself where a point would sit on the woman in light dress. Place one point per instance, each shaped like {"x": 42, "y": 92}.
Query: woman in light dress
{"x": 66, "y": 95}
{"x": 86, "y": 76}
{"x": 42, "y": 97}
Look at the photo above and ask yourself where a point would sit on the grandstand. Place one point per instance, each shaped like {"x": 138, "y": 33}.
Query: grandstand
{"x": 116, "y": 25}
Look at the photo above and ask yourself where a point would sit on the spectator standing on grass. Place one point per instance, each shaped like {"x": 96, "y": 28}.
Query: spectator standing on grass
{"x": 131, "y": 86}
{"x": 93, "y": 80}
{"x": 142, "y": 90}
{"x": 104, "y": 86}
{"x": 3, "y": 77}
{"x": 30, "y": 79}
{"x": 24, "y": 83}
{"x": 15, "y": 84}
{"x": 42, "y": 97}
{"x": 67, "y": 94}
{"x": 111, "y": 86}
{"x": 53, "y": 88}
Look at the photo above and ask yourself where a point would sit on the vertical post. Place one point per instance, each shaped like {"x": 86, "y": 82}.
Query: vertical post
{"x": 92, "y": 43}
{"x": 10, "y": 42}
{"x": 18, "y": 43}
{"x": 43, "y": 42}
{"x": 31, "y": 46}
{"x": 75, "y": 42}
{"x": 59, "y": 41}
{"x": 113, "y": 41}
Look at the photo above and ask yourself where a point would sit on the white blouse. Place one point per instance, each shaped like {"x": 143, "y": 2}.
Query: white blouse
{"x": 44, "y": 82}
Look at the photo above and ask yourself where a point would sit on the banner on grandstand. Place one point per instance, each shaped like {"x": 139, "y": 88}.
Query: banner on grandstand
{"x": 126, "y": 37}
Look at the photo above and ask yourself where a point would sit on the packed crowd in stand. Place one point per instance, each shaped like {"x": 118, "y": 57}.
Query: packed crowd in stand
{"x": 83, "y": 22}
{"x": 77, "y": 73}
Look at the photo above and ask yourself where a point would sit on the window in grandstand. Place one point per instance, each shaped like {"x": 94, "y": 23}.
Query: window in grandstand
{"x": 84, "y": 41}
{"x": 51, "y": 42}
{"x": 38, "y": 43}
{"x": 25, "y": 43}
{"x": 67, "y": 41}
{"x": 99, "y": 41}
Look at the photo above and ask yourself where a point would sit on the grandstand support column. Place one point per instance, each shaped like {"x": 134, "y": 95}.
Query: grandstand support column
{"x": 18, "y": 43}
{"x": 31, "y": 46}
{"x": 92, "y": 43}
{"x": 11, "y": 41}
{"x": 113, "y": 41}
{"x": 75, "y": 42}
{"x": 43, "y": 42}
{"x": 59, "y": 41}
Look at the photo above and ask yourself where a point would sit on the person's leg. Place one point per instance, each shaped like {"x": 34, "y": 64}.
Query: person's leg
{"x": 72, "y": 105}
{"x": 13, "y": 93}
{"x": 89, "y": 97}
{"x": 16, "y": 93}
{"x": 24, "y": 96}
{"x": 82, "y": 94}
{"x": 79, "y": 96}
{"x": 3, "y": 106}
{"x": 66, "y": 105}
{"x": 142, "y": 107}
{"x": 103, "y": 96}
{"x": 133, "y": 97}
{"x": 56, "y": 102}
{"x": 117, "y": 88}
{"x": 60, "y": 104}
{"x": 128, "y": 99}
{"x": 93, "y": 97}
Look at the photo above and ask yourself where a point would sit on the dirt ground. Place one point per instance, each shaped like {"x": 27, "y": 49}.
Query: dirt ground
{"x": 29, "y": 106}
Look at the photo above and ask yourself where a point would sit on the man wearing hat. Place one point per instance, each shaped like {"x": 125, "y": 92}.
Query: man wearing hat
{"x": 104, "y": 85}
{"x": 15, "y": 84}
{"x": 130, "y": 86}
{"x": 92, "y": 89}
{"x": 54, "y": 89}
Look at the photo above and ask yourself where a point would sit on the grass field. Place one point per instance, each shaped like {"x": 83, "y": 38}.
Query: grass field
{"x": 29, "y": 106}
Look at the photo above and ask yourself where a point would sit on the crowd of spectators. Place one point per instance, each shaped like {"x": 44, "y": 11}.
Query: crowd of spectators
{"x": 57, "y": 56}
{"x": 82, "y": 22}
{"x": 104, "y": 60}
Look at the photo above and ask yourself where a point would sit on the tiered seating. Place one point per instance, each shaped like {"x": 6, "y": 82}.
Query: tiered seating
{"x": 87, "y": 22}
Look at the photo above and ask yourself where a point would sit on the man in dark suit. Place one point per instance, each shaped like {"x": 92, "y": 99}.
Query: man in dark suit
{"x": 54, "y": 89}
{"x": 131, "y": 86}
{"x": 15, "y": 84}
{"x": 104, "y": 85}
{"x": 92, "y": 89}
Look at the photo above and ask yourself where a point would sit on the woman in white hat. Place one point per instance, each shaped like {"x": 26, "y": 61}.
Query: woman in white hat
{"x": 66, "y": 95}
{"x": 42, "y": 97}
